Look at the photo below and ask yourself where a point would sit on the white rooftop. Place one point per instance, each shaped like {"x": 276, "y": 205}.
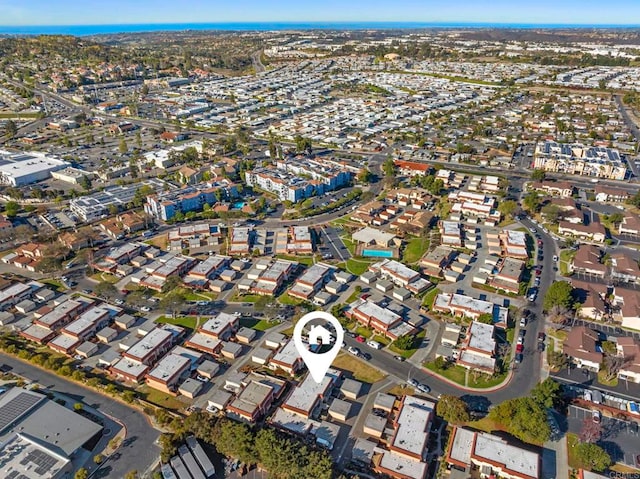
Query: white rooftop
{"x": 413, "y": 425}
{"x": 305, "y": 395}
{"x": 168, "y": 367}
{"x": 514, "y": 458}
{"x": 481, "y": 337}
{"x": 288, "y": 354}
{"x": 147, "y": 344}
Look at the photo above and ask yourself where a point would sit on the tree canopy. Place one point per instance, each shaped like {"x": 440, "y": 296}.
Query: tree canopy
{"x": 452, "y": 409}
{"x": 524, "y": 418}
{"x": 560, "y": 294}
{"x": 591, "y": 456}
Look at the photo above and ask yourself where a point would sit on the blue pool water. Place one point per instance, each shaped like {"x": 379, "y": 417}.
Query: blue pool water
{"x": 238, "y": 205}
{"x": 377, "y": 253}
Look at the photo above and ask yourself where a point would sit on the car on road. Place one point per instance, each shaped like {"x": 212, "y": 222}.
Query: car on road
{"x": 539, "y": 271}
{"x": 519, "y": 348}
{"x": 366, "y": 356}
{"x": 374, "y": 344}
{"x": 399, "y": 358}
{"x": 351, "y": 334}
{"x": 86, "y": 291}
{"x": 519, "y": 358}
{"x": 379, "y": 412}
{"x": 536, "y": 282}
{"x": 423, "y": 388}
{"x": 361, "y": 339}
{"x": 145, "y": 309}
{"x": 413, "y": 382}
{"x": 202, "y": 379}
{"x": 541, "y": 336}
{"x": 354, "y": 351}
{"x": 540, "y": 346}
{"x": 365, "y": 296}
{"x": 555, "y": 258}
{"x": 534, "y": 231}
{"x": 523, "y": 322}
{"x": 539, "y": 242}
{"x": 596, "y": 417}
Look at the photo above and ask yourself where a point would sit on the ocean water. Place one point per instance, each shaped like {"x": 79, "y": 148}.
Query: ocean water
{"x": 85, "y": 30}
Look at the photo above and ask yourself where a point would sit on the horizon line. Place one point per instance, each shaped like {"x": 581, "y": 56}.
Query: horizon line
{"x": 327, "y": 22}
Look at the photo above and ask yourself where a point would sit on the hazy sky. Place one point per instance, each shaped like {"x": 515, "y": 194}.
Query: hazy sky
{"x": 74, "y": 12}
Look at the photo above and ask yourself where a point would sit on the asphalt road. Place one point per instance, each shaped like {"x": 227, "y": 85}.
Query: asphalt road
{"x": 139, "y": 451}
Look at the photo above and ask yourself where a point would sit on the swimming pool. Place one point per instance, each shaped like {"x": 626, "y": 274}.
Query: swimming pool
{"x": 238, "y": 205}
{"x": 376, "y": 253}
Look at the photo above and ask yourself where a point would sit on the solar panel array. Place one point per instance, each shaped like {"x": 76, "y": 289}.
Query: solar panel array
{"x": 16, "y": 475}
{"x": 16, "y": 407}
{"x": 43, "y": 461}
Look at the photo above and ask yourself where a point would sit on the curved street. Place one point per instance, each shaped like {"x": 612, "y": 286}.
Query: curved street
{"x": 138, "y": 451}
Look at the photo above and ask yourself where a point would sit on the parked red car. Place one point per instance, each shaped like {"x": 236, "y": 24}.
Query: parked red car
{"x": 360, "y": 339}
{"x": 519, "y": 348}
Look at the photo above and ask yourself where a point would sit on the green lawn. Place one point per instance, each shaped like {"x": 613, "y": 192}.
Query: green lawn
{"x": 160, "y": 398}
{"x": 305, "y": 260}
{"x": 407, "y": 353}
{"x": 289, "y": 300}
{"x": 257, "y": 324}
{"x": 358, "y": 265}
{"x": 381, "y": 339}
{"x": 351, "y": 246}
{"x": 566, "y": 256}
{"x": 355, "y": 295}
{"x": 572, "y": 441}
{"x": 55, "y": 283}
{"x": 365, "y": 332}
{"x": 453, "y": 373}
{"x": 109, "y": 278}
{"x": 429, "y": 298}
{"x": 415, "y": 249}
{"x": 601, "y": 379}
{"x": 360, "y": 370}
{"x": 199, "y": 295}
{"x": 486, "y": 382}
{"x": 184, "y": 321}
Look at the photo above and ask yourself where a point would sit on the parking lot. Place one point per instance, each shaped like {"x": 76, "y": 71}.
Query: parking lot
{"x": 621, "y": 439}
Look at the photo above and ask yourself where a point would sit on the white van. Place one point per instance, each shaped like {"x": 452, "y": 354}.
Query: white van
{"x": 374, "y": 344}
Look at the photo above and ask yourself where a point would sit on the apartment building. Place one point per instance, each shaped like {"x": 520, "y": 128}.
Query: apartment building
{"x": 311, "y": 281}
{"x": 466, "y": 306}
{"x": 492, "y": 455}
{"x": 514, "y": 244}
{"x": 406, "y": 454}
{"x": 383, "y": 320}
{"x": 164, "y": 206}
{"x": 577, "y": 159}
{"x": 478, "y": 349}
{"x": 591, "y": 232}
{"x": 583, "y": 347}
{"x": 587, "y": 261}
{"x": 288, "y": 180}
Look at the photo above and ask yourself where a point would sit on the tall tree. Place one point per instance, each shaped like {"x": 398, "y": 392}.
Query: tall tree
{"x": 591, "y": 457}
{"x": 452, "y": 409}
{"x": 10, "y": 128}
{"x": 560, "y": 293}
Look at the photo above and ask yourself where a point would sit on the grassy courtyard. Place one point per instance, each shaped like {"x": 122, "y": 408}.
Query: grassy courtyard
{"x": 360, "y": 370}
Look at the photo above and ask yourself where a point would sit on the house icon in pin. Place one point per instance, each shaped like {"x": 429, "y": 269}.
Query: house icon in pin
{"x": 319, "y": 332}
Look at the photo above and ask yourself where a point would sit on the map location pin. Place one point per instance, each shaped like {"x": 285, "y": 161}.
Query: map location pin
{"x": 318, "y": 363}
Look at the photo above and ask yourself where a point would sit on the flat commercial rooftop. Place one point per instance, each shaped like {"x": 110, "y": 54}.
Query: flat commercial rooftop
{"x": 481, "y": 337}
{"x": 305, "y": 396}
{"x": 410, "y": 468}
{"x": 287, "y": 355}
{"x": 413, "y": 425}
{"x": 51, "y": 424}
{"x": 146, "y": 345}
{"x": 497, "y": 450}
{"x": 28, "y": 460}
{"x": 169, "y": 367}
